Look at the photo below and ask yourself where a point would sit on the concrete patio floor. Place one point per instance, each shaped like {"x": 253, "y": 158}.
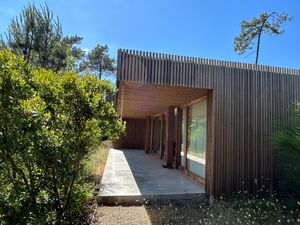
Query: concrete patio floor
{"x": 133, "y": 176}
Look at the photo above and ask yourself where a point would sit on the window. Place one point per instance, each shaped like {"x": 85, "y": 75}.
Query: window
{"x": 197, "y": 129}
{"x": 196, "y": 147}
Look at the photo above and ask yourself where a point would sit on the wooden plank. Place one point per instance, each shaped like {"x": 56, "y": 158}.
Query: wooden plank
{"x": 134, "y": 136}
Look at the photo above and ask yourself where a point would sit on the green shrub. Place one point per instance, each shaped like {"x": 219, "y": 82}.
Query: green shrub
{"x": 288, "y": 148}
{"x": 48, "y": 124}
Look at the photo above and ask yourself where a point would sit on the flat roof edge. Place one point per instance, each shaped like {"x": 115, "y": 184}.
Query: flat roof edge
{"x": 205, "y": 61}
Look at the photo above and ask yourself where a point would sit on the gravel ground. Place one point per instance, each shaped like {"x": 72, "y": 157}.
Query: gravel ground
{"x": 122, "y": 215}
{"x": 192, "y": 212}
{"x": 182, "y": 212}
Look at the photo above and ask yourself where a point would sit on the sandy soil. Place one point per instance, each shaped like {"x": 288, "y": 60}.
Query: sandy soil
{"x": 122, "y": 215}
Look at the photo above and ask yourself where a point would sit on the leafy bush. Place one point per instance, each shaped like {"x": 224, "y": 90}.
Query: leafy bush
{"x": 288, "y": 148}
{"x": 48, "y": 124}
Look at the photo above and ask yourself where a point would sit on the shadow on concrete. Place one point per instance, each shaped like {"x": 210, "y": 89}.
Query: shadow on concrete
{"x": 131, "y": 176}
{"x": 153, "y": 179}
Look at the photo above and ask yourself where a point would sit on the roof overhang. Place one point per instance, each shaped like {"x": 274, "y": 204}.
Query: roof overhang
{"x": 139, "y": 100}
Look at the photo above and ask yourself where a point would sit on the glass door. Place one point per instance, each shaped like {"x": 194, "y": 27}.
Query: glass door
{"x": 196, "y": 140}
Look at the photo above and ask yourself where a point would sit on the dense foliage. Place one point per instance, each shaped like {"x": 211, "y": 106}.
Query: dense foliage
{"x": 48, "y": 124}
{"x": 99, "y": 62}
{"x": 288, "y": 149}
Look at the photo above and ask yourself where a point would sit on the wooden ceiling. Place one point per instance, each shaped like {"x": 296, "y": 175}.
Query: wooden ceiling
{"x": 142, "y": 100}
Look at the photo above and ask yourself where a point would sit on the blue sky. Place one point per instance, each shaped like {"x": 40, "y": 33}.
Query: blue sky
{"x": 199, "y": 28}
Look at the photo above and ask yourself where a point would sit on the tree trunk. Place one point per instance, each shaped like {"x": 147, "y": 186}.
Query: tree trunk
{"x": 259, "y": 36}
{"x": 100, "y": 72}
{"x": 257, "y": 48}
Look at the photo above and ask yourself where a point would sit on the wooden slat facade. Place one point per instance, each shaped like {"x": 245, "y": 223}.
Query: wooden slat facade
{"x": 248, "y": 103}
{"x": 134, "y": 136}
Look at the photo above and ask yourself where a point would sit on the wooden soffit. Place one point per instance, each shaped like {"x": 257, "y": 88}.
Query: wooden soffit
{"x": 139, "y": 100}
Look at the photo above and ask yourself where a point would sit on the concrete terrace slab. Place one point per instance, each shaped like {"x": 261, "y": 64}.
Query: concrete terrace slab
{"x": 132, "y": 175}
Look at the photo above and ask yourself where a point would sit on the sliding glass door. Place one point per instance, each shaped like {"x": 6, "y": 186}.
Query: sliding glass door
{"x": 196, "y": 137}
{"x": 196, "y": 146}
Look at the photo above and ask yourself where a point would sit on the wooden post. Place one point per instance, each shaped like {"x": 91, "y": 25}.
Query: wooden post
{"x": 148, "y": 135}
{"x": 151, "y": 135}
{"x": 178, "y": 142}
{"x": 186, "y": 137}
{"x": 209, "y": 166}
{"x": 122, "y": 101}
{"x": 170, "y": 136}
{"x": 161, "y": 144}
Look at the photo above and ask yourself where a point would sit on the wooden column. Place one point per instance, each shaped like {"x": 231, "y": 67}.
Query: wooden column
{"x": 148, "y": 134}
{"x": 186, "y": 137}
{"x": 151, "y": 135}
{"x": 209, "y": 166}
{"x": 170, "y": 136}
{"x": 178, "y": 142}
{"x": 161, "y": 144}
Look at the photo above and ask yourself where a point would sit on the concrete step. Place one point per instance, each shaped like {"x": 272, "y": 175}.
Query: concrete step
{"x": 143, "y": 199}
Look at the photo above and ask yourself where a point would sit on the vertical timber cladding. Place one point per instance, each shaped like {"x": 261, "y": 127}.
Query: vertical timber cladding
{"x": 249, "y": 104}
{"x": 134, "y": 136}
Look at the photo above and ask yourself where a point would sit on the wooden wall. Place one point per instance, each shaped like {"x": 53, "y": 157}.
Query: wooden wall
{"x": 249, "y": 103}
{"x": 134, "y": 136}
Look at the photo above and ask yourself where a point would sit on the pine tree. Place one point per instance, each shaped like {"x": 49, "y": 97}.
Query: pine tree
{"x": 38, "y": 36}
{"x": 253, "y": 30}
{"x": 99, "y": 62}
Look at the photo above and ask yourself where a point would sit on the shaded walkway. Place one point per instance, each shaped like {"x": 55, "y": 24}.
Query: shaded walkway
{"x": 131, "y": 175}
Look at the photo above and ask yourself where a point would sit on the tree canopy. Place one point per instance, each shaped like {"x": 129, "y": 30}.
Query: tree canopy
{"x": 99, "y": 62}
{"x": 38, "y": 36}
{"x": 269, "y": 23}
